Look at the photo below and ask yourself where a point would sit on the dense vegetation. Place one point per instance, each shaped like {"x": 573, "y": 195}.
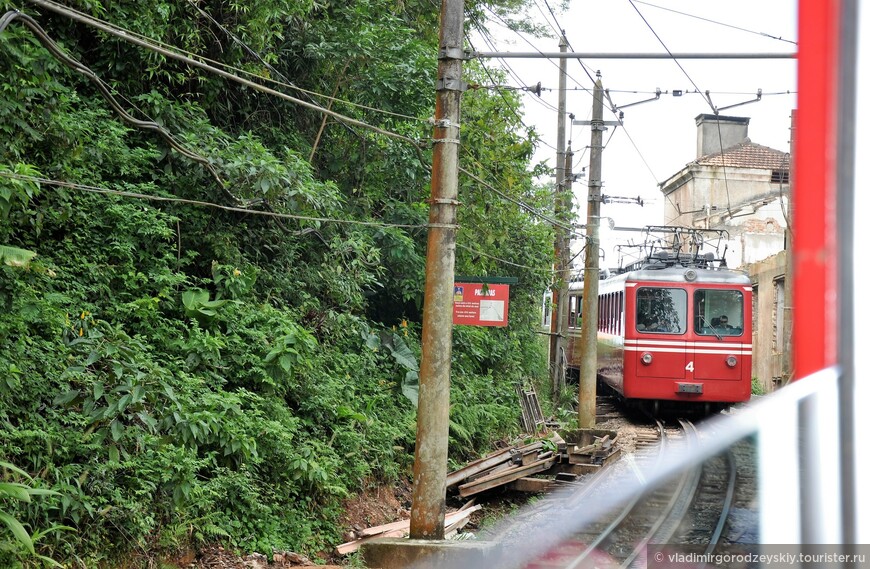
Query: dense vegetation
{"x": 174, "y": 373}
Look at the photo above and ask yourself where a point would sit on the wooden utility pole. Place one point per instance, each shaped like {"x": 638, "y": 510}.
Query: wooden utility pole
{"x": 562, "y": 251}
{"x": 433, "y": 410}
{"x": 589, "y": 327}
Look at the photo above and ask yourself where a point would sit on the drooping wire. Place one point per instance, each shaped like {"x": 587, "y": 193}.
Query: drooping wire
{"x": 136, "y": 195}
{"x": 668, "y": 50}
{"x": 194, "y": 60}
{"x": 505, "y": 261}
{"x": 507, "y": 103}
{"x": 717, "y": 23}
{"x": 106, "y": 91}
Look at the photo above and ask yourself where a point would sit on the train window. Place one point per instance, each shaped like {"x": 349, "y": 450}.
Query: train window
{"x": 661, "y": 310}
{"x": 572, "y": 311}
{"x": 718, "y": 312}
{"x": 621, "y": 315}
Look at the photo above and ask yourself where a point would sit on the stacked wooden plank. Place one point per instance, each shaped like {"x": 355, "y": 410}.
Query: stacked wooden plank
{"x": 581, "y": 452}
{"x": 453, "y": 522}
{"x": 538, "y": 466}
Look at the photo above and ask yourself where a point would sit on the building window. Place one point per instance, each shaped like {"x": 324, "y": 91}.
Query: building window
{"x": 778, "y": 315}
{"x": 779, "y": 177}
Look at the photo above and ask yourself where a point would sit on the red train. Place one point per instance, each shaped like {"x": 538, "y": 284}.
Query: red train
{"x": 674, "y": 327}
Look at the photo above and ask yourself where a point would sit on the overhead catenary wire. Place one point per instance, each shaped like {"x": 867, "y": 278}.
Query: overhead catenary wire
{"x": 492, "y": 79}
{"x": 779, "y": 38}
{"x": 677, "y": 61}
{"x": 487, "y": 38}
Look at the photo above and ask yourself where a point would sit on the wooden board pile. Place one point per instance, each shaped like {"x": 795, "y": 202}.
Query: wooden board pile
{"x": 538, "y": 466}
{"x": 559, "y": 458}
{"x": 453, "y": 522}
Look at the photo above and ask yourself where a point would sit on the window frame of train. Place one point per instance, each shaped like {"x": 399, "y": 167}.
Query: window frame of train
{"x": 709, "y": 301}
{"x": 672, "y": 315}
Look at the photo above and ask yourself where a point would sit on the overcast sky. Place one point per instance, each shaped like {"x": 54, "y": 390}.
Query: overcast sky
{"x": 658, "y": 137}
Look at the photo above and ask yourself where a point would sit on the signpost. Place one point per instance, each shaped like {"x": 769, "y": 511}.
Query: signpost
{"x": 481, "y": 301}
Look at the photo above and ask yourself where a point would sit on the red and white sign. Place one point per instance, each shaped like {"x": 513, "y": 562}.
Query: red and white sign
{"x": 478, "y": 304}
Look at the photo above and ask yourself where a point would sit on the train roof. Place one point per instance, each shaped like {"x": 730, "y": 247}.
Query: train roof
{"x": 691, "y": 274}
{"x": 675, "y": 274}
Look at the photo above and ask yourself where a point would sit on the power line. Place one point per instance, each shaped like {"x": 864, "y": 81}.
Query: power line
{"x": 286, "y": 82}
{"x": 539, "y": 52}
{"x": 717, "y": 22}
{"x": 136, "y": 195}
{"x": 492, "y": 79}
{"x": 505, "y": 261}
{"x": 521, "y": 204}
{"x": 556, "y": 28}
{"x": 487, "y": 38}
{"x": 677, "y": 61}
{"x": 168, "y": 52}
{"x": 150, "y": 44}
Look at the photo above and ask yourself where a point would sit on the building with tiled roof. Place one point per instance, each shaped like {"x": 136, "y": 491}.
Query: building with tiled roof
{"x": 733, "y": 184}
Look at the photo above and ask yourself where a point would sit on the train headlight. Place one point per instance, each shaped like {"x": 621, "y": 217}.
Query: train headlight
{"x": 646, "y": 358}
{"x": 731, "y": 361}
{"x": 690, "y": 275}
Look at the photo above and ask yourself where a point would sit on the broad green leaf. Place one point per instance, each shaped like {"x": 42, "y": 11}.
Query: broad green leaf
{"x": 13, "y": 468}
{"x": 18, "y": 531}
{"x": 403, "y": 354}
{"x": 15, "y": 490}
{"x": 117, "y": 429}
{"x": 15, "y": 257}
{"x": 65, "y": 398}
{"x": 411, "y": 387}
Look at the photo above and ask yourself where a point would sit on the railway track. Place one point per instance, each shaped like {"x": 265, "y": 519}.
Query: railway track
{"x": 692, "y": 507}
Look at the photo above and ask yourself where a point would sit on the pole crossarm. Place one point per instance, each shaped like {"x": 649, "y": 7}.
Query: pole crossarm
{"x": 627, "y": 55}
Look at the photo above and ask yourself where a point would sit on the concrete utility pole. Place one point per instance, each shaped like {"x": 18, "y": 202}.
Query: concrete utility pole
{"x": 589, "y": 327}
{"x": 788, "y": 314}
{"x": 562, "y": 251}
{"x": 433, "y": 410}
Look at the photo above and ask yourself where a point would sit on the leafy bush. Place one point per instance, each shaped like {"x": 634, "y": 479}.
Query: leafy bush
{"x": 174, "y": 373}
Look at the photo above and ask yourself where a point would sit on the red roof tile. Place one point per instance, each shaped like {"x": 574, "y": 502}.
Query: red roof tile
{"x": 747, "y": 154}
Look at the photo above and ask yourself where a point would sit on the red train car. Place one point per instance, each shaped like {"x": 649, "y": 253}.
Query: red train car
{"x": 674, "y": 328}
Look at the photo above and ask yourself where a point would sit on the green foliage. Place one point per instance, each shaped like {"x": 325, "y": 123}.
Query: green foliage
{"x": 179, "y": 375}
{"x": 22, "y": 544}
{"x": 757, "y": 387}
{"x": 402, "y": 354}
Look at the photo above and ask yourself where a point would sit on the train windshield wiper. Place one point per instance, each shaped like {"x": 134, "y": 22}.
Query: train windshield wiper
{"x": 712, "y": 329}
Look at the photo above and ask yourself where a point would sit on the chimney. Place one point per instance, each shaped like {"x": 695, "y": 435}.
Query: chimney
{"x": 717, "y": 132}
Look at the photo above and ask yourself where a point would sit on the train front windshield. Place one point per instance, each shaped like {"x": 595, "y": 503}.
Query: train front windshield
{"x": 661, "y": 310}
{"x": 718, "y": 312}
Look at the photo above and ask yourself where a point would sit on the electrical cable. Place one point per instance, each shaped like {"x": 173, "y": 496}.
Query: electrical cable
{"x": 170, "y": 53}
{"x": 717, "y": 23}
{"x": 106, "y": 91}
{"x": 505, "y": 261}
{"x": 550, "y": 220}
{"x": 123, "y": 193}
{"x": 667, "y": 50}
{"x": 509, "y": 106}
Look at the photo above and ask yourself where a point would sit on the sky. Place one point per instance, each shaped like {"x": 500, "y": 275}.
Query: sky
{"x": 658, "y": 137}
